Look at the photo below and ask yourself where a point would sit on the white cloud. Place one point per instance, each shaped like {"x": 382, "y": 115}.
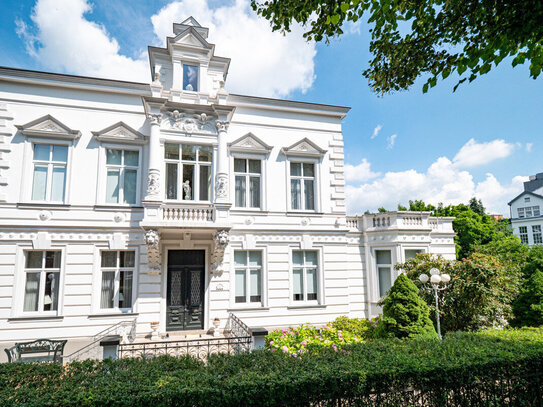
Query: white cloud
{"x": 529, "y": 147}
{"x": 360, "y": 173}
{"x": 391, "y": 141}
{"x": 263, "y": 62}
{"x": 62, "y": 39}
{"x": 376, "y": 131}
{"x": 443, "y": 182}
{"x": 473, "y": 153}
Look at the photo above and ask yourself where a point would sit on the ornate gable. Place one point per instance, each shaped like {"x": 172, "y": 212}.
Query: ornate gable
{"x": 304, "y": 148}
{"x": 190, "y": 36}
{"x": 48, "y": 126}
{"x": 120, "y": 133}
{"x": 249, "y": 144}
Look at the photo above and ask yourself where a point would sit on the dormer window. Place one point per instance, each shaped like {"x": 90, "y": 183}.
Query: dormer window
{"x": 190, "y": 77}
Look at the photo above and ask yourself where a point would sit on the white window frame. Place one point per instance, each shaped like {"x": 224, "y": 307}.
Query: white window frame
{"x": 117, "y": 269}
{"x": 247, "y": 269}
{"x": 528, "y": 211}
{"x": 527, "y": 199}
{"x": 248, "y": 176}
{"x": 319, "y": 276}
{"x": 20, "y": 286}
{"x": 28, "y": 171}
{"x": 521, "y": 213}
{"x": 122, "y": 168}
{"x": 191, "y": 63}
{"x": 536, "y": 234}
{"x": 316, "y": 184}
{"x": 196, "y": 175}
{"x": 523, "y": 234}
{"x": 377, "y": 265}
{"x": 534, "y": 209}
{"x": 420, "y": 249}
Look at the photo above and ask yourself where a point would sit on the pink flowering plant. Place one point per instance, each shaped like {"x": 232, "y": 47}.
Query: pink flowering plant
{"x": 336, "y": 335}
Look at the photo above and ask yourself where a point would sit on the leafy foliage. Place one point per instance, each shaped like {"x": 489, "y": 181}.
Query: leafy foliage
{"x": 528, "y": 308}
{"x": 479, "y": 295}
{"x": 465, "y": 367}
{"x": 434, "y": 38}
{"x": 405, "y": 314}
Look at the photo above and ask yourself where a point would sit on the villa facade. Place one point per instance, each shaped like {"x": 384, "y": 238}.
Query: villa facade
{"x": 177, "y": 203}
{"x": 526, "y": 217}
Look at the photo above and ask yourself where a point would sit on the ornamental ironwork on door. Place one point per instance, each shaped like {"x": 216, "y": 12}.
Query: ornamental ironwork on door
{"x": 185, "y": 290}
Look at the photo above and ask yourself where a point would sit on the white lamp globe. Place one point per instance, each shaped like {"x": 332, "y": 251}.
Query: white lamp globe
{"x": 445, "y": 278}
{"x": 435, "y": 279}
{"x": 424, "y": 278}
{"x": 434, "y": 271}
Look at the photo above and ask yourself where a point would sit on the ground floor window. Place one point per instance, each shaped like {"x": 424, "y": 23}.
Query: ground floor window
{"x": 117, "y": 271}
{"x": 536, "y": 231}
{"x": 305, "y": 275}
{"x": 248, "y": 276}
{"x": 384, "y": 270}
{"x": 42, "y": 281}
{"x": 523, "y": 233}
{"x": 412, "y": 253}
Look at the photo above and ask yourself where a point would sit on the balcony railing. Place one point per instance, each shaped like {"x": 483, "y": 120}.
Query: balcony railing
{"x": 185, "y": 213}
{"x": 399, "y": 220}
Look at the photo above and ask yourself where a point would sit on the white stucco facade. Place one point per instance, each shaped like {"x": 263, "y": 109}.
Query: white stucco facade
{"x": 106, "y": 185}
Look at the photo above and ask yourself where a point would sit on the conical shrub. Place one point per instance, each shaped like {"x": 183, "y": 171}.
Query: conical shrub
{"x": 405, "y": 314}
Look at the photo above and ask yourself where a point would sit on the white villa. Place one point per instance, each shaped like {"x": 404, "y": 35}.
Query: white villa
{"x": 173, "y": 204}
{"x": 526, "y": 217}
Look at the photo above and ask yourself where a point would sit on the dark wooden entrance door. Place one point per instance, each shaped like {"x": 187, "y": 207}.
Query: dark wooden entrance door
{"x": 185, "y": 290}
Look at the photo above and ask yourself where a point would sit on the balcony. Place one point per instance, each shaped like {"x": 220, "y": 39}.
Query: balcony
{"x": 181, "y": 214}
{"x": 398, "y": 221}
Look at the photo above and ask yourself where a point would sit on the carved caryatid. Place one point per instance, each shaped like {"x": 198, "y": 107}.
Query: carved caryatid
{"x": 152, "y": 241}
{"x": 153, "y": 183}
{"x": 219, "y": 246}
{"x": 221, "y": 186}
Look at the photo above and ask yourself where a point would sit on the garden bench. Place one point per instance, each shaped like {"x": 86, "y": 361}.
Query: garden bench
{"x": 41, "y": 350}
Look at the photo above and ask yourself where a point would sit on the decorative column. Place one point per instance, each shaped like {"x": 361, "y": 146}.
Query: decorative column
{"x": 153, "y": 178}
{"x": 221, "y": 180}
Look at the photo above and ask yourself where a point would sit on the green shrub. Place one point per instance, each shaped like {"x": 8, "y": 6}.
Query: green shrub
{"x": 405, "y": 314}
{"x": 361, "y": 328}
{"x": 528, "y": 308}
{"x": 498, "y": 368}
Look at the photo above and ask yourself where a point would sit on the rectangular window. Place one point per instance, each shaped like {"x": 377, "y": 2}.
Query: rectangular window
{"x": 188, "y": 172}
{"x": 305, "y": 275}
{"x": 42, "y": 275}
{"x": 117, "y": 269}
{"x": 49, "y": 172}
{"x": 528, "y": 211}
{"x": 248, "y": 276}
{"x": 302, "y": 186}
{"x": 190, "y": 77}
{"x": 523, "y": 234}
{"x": 384, "y": 270}
{"x": 247, "y": 182}
{"x": 122, "y": 176}
{"x": 412, "y": 253}
{"x": 536, "y": 210}
{"x": 520, "y": 212}
{"x": 536, "y": 231}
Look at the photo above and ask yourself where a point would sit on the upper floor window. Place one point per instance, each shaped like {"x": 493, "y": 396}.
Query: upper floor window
{"x": 528, "y": 211}
{"x": 305, "y": 275}
{"x": 248, "y": 174}
{"x": 122, "y": 176}
{"x": 536, "y": 231}
{"x": 190, "y": 77}
{"x": 302, "y": 185}
{"x": 117, "y": 270}
{"x": 49, "y": 172}
{"x": 523, "y": 234}
{"x": 188, "y": 171}
{"x": 527, "y": 199}
{"x": 248, "y": 265}
{"x": 384, "y": 270}
{"x": 536, "y": 211}
{"x": 520, "y": 212}
{"x": 42, "y": 281}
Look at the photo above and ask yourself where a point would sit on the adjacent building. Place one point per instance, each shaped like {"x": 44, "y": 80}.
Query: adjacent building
{"x": 175, "y": 203}
{"x": 526, "y": 217}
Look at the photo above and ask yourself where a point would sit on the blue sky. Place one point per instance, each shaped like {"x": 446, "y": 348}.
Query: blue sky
{"x": 440, "y": 146}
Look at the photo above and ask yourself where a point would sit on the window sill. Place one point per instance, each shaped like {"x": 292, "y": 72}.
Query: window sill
{"x": 238, "y": 309}
{"x": 36, "y": 318}
{"x": 113, "y": 315}
{"x": 304, "y": 213}
{"x": 42, "y": 205}
{"x": 252, "y": 211}
{"x": 308, "y": 306}
{"x": 108, "y": 207}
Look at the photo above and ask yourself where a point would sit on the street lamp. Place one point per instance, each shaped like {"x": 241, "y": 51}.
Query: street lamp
{"x": 436, "y": 279}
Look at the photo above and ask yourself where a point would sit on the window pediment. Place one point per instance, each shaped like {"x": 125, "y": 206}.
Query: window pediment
{"x": 249, "y": 144}
{"x": 303, "y": 148}
{"x": 120, "y": 133}
{"x": 48, "y": 127}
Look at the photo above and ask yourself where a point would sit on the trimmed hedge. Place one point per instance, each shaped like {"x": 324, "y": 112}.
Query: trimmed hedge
{"x": 465, "y": 369}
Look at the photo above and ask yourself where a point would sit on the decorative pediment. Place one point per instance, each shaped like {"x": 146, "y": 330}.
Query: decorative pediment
{"x": 48, "y": 126}
{"x": 249, "y": 144}
{"x": 191, "y": 37}
{"x": 120, "y": 133}
{"x": 304, "y": 148}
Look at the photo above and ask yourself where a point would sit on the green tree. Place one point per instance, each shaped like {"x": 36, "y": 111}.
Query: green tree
{"x": 528, "y": 308}
{"x": 434, "y": 38}
{"x": 476, "y": 205}
{"x": 419, "y": 206}
{"x": 401, "y": 207}
{"x": 534, "y": 260}
{"x": 405, "y": 314}
{"x": 381, "y": 210}
{"x": 508, "y": 249}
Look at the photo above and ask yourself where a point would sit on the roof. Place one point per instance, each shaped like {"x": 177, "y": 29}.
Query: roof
{"x": 523, "y": 193}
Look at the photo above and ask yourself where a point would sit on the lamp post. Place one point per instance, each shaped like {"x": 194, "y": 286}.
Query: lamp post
{"x": 436, "y": 279}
